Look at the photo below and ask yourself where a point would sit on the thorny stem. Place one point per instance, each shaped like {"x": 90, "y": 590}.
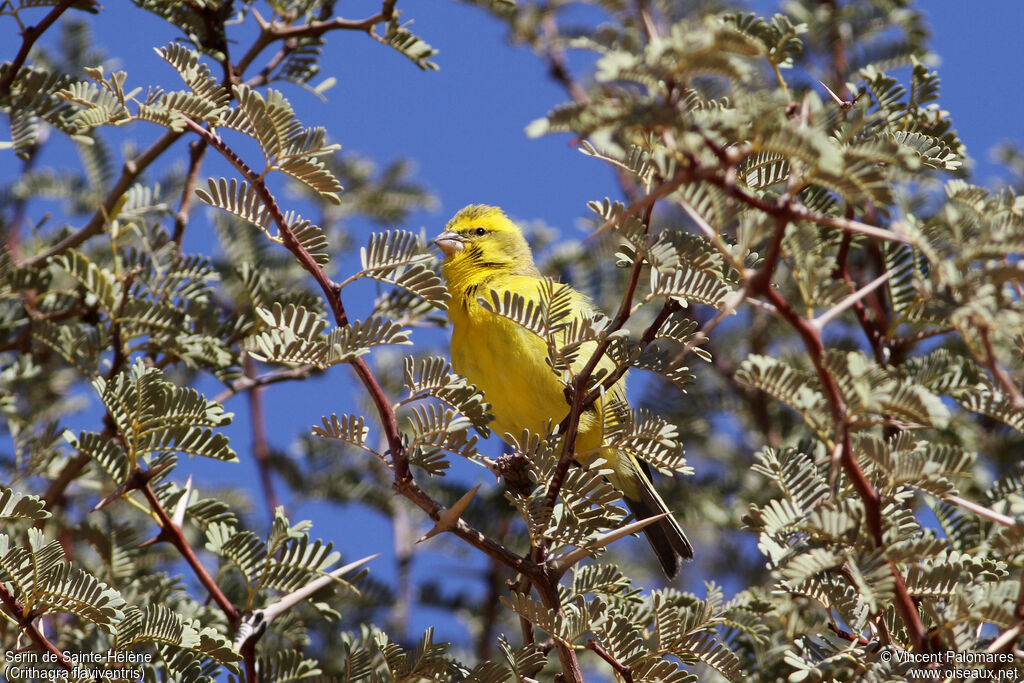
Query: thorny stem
{"x": 271, "y": 32}
{"x": 170, "y": 532}
{"x": 871, "y": 330}
{"x": 548, "y": 592}
{"x": 670, "y": 307}
{"x": 27, "y": 624}
{"x": 761, "y": 284}
{"x": 791, "y": 210}
{"x": 404, "y": 483}
{"x": 329, "y": 288}
{"x": 840, "y": 64}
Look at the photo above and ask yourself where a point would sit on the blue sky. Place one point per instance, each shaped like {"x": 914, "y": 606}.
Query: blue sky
{"x": 463, "y": 126}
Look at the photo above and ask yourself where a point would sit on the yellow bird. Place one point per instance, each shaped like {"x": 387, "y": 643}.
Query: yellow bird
{"x": 485, "y": 251}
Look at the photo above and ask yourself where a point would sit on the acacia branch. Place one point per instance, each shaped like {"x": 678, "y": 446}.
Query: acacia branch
{"x": 872, "y": 330}
{"x": 1002, "y": 378}
{"x": 28, "y": 38}
{"x": 648, "y": 336}
{"x": 132, "y": 169}
{"x": 788, "y": 210}
{"x": 260, "y": 447}
{"x": 196, "y": 152}
{"x": 624, "y": 671}
{"x": 27, "y": 625}
{"x": 811, "y": 336}
{"x": 271, "y": 32}
{"x": 247, "y": 383}
{"x": 548, "y": 592}
{"x": 171, "y": 532}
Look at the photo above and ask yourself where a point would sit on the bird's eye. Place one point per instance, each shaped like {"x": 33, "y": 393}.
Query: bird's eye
{"x": 480, "y": 232}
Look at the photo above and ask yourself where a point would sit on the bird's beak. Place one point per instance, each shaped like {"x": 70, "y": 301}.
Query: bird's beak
{"x": 450, "y": 242}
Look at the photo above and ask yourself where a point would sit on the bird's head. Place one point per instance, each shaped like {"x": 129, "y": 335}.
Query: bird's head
{"x": 481, "y": 240}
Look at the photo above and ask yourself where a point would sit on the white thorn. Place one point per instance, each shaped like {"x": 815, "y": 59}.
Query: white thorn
{"x": 562, "y": 563}
{"x": 179, "y": 511}
{"x": 449, "y": 518}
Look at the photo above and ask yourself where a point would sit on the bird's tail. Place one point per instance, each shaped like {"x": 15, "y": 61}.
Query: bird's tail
{"x": 665, "y": 536}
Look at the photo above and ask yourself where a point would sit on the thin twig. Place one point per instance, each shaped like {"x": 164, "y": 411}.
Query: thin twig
{"x": 271, "y": 32}
{"x": 260, "y": 447}
{"x": 680, "y": 178}
{"x": 246, "y": 383}
{"x": 624, "y": 671}
{"x": 196, "y": 152}
{"x": 992, "y": 363}
{"x": 28, "y": 38}
{"x": 571, "y": 671}
{"x": 872, "y": 329}
{"x": 569, "y": 427}
{"x": 132, "y": 169}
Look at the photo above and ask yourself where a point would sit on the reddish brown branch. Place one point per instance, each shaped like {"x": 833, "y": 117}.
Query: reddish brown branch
{"x": 271, "y": 32}
{"x": 990, "y": 361}
{"x": 548, "y": 592}
{"x": 790, "y": 210}
{"x": 576, "y": 392}
{"x": 648, "y": 336}
{"x": 246, "y": 383}
{"x": 870, "y": 497}
{"x": 132, "y": 169}
{"x": 624, "y": 672}
{"x": 171, "y": 533}
{"x": 260, "y": 447}
{"x": 248, "y": 652}
{"x": 871, "y": 330}
{"x": 28, "y": 39}
{"x": 860, "y": 640}
{"x": 839, "y": 62}
{"x": 196, "y": 152}
{"x": 27, "y": 625}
